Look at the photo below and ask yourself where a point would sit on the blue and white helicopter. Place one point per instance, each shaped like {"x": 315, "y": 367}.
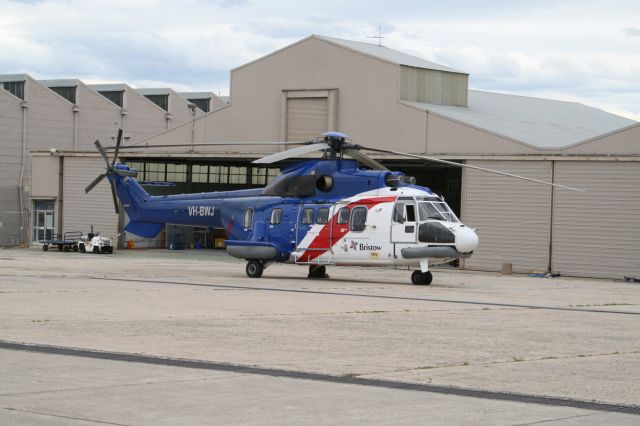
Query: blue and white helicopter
{"x": 331, "y": 211}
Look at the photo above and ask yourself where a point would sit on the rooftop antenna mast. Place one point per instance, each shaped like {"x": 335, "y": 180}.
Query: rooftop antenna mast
{"x": 379, "y": 36}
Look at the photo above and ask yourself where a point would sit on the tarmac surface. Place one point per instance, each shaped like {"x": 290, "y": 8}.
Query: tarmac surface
{"x": 184, "y": 337}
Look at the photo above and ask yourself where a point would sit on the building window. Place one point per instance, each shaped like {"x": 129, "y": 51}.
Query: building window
{"x": 259, "y": 175}
{"x": 116, "y": 96}
{"x": 202, "y": 104}
{"x": 358, "y": 219}
{"x": 218, "y": 174}
{"x": 276, "y": 216}
{"x": 155, "y": 172}
{"x": 161, "y": 100}
{"x": 248, "y": 218}
{"x": 263, "y": 175}
{"x": 69, "y": 93}
{"x": 272, "y": 174}
{"x": 238, "y": 175}
{"x": 176, "y": 172}
{"x": 323, "y": 216}
{"x": 15, "y": 87}
{"x": 199, "y": 173}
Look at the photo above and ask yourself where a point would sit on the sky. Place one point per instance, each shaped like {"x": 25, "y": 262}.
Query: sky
{"x": 576, "y": 50}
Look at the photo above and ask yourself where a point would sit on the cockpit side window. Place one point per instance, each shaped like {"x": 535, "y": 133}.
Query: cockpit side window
{"x": 411, "y": 213}
{"x": 398, "y": 213}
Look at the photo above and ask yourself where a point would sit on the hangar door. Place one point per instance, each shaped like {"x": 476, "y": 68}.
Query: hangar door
{"x": 307, "y": 118}
{"x": 512, "y": 216}
{"x": 597, "y": 233}
{"x": 80, "y": 210}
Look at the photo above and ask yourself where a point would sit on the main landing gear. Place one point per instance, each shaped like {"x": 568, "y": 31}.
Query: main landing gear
{"x": 317, "y": 271}
{"x": 255, "y": 268}
{"x": 421, "y": 278}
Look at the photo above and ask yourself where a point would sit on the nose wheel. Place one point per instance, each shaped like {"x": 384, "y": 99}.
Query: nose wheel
{"x": 421, "y": 278}
{"x": 255, "y": 268}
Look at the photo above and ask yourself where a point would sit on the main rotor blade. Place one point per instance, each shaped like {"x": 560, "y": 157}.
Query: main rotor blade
{"x": 367, "y": 161}
{"x": 118, "y": 141}
{"x": 451, "y": 163}
{"x": 294, "y": 152}
{"x": 94, "y": 183}
{"x": 115, "y": 198}
{"x": 130, "y": 147}
{"x": 102, "y": 152}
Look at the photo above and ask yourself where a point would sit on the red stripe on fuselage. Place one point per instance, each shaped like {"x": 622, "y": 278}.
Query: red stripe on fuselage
{"x": 323, "y": 241}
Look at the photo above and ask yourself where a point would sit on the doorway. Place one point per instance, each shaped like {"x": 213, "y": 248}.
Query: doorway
{"x": 43, "y": 227}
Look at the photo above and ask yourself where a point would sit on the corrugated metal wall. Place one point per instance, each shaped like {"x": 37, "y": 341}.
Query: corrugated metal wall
{"x": 306, "y": 118}
{"x": 81, "y": 210}
{"x": 597, "y": 233}
{"x": 512, "y": 216}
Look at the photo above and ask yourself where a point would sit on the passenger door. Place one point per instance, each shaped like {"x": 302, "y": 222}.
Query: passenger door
{"x": 281, "y": 226}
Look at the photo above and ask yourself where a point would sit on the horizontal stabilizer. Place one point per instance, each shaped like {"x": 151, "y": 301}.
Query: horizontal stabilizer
{"x": 144, "y": 229}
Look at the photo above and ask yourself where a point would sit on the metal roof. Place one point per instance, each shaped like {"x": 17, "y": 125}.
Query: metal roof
{"x": 196, "y": 95}
{"x": 541, "y": 123}
{"x": 67, "y": 82}
{"x": 116, "y": 87}
{"x": 154, "y": 91}
{"x": 10, "y": 78}
{"x": 386, "y": 54}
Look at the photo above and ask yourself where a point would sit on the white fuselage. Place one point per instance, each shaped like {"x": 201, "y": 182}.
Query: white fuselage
{"x": 396, "y": 220}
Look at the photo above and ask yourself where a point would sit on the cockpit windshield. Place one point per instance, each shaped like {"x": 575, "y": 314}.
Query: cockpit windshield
{"x": 435, "y": 210}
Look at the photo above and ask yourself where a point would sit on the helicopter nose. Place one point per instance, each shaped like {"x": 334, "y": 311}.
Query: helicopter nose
{"x": 466, "y": 240}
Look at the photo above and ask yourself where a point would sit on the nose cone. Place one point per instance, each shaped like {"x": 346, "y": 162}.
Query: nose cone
{"x": 466, "y": 240}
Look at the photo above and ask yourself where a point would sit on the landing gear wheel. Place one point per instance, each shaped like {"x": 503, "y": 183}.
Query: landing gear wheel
{"x": 317, "y": 271}
{"x": 96, "y": 250}
{"x": 254, "y": 269}
{"x": 421, "y": 278}
{"x": 45, "y": 248}
{"x": 82, "y": 248}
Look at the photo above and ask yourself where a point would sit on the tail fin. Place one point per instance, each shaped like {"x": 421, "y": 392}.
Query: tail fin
{"x": 134, "y": 198}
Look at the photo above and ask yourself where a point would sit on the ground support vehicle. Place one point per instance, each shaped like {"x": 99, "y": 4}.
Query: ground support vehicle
{"x": 68, "y": 242}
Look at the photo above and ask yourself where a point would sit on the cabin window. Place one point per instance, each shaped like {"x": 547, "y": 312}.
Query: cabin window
{"x": 307, "y": 216}
{"x": 343, "y": 215}
{"x": 248, "y": 218}
{"x": 358, "y": 219}
{"x": 323, "y": 216}
{"x": 276, "y": 216}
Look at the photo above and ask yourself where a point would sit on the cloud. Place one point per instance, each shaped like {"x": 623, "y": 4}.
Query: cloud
{"x": 632, "y": 32}
{"x": 528, "y": 47}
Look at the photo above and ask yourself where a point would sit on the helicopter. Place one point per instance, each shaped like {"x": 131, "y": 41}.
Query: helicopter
{"x": 344, "y": 209}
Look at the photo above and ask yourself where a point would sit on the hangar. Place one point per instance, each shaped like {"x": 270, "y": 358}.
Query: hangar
{"x": 388, "y": 99}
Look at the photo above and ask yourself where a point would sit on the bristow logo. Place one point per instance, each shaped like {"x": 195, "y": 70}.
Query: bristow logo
{"x": 363, "y": 247}
{"x": 201, "y": 210}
